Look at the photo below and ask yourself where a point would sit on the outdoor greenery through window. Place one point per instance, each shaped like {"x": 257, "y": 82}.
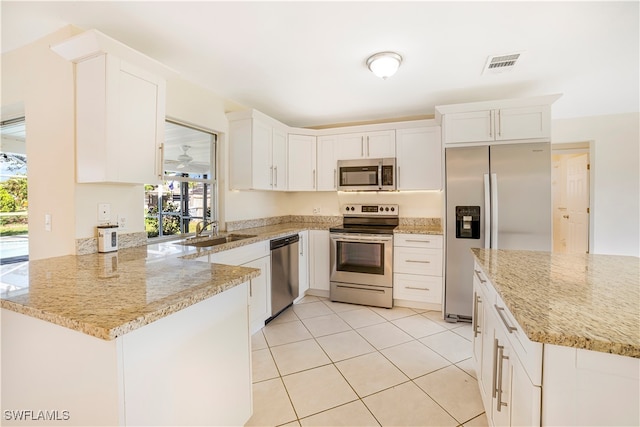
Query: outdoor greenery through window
{"x": 13, "y": 192}
{"x": 188, "y": 194}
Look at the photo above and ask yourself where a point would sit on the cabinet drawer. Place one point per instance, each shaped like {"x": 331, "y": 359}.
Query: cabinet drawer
{"x": 529, "y": 352}
{"x": 417, "y": 288}
{"x": 418, "y": 240}
{"x": 241, "y": 255}
{"x": 417, "y": 261}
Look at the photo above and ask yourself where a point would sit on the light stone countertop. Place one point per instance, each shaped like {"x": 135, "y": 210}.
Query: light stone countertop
{"x": 108, "y": 295}
{"x": 584, "y": 301}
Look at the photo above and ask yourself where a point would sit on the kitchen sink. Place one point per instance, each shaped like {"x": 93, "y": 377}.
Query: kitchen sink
{"x": 199, "y": 242}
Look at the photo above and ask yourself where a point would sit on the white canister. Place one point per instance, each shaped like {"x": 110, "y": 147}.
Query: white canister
{"x": 107, "y": 238}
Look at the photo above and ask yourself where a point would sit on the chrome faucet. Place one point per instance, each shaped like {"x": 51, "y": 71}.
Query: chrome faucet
{"x": 201, "y": 226}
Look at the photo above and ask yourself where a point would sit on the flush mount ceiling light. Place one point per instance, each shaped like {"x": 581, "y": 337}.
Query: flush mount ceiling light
{"x": 384, "y": 64}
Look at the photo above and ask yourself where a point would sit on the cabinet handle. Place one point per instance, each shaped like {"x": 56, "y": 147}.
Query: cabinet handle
{"x": 491, "y": 124}
{"x": 301, "y": 245}
{"x": 494, "y": 390}
{"x": 500, "y": 311}
{"x": 418, "y": 261}
{"x": 499, "y": 124}
{"x": 160, "y": 161}
{"x": 398, "y": 177}
{"x": 250, "y": 288}
{"x": 417, "y": 289}
{"x": 335, "y": 178}
{"x": 368, "y": 151}
{"x": 417, "y": 241}
{"x": 479, "y": 278}
{"x": 477, "y": 300}
{"x": 501, "y": 358}
{"x": 275, "y": 182}
{"x": 271, "y": 180}
{"x": 314, "y": 179}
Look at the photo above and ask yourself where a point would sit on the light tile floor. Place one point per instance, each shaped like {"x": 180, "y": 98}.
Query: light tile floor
{"x": 322, "y": 363}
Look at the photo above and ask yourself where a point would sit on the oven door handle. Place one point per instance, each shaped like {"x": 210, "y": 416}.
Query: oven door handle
{"x": 349, "y": 239}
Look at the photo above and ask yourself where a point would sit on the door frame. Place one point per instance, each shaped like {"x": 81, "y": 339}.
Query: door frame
{"x": 587, "y": 147}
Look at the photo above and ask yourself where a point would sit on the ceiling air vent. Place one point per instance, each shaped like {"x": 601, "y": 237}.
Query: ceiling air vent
{"x": 501, "y": 63}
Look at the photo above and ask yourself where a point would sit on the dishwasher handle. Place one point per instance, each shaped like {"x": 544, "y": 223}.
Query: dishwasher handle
{"x": 284, "y": 241}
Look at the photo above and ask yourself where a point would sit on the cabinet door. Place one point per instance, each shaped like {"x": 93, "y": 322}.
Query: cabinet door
{"x": 120, "y": 114}
{"x": 501, "y": 404}
{"x": 279, "y": 159}
{"x": 261, "y": 159}
{"x": 475, "y": 126}
{"x": 259, "y": 294}
{"x": 319, "y": 260}
{"x": 302, "y": 163}
{"x": 303, "y": 263}
{"x": 526, "y": 399}
{"x": 477, "y": 324}
{"x": 419, "y": 158}
{"x": 327, "y": 171}
{"x": 380, "y": 144}
{"x": 523, "y": 123}
{"x": 487, "y": 372}
{"x": 414, "y": 287}
{"x": 417, "y": 261}
{"x": 350, "y": 146}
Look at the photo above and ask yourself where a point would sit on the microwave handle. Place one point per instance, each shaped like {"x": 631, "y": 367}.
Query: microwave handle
{"x": 380, "y": 175}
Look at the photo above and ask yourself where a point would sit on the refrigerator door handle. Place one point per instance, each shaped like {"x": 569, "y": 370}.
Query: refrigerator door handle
{"x": 494, "y": 211}
{"x": 487, "y": 212}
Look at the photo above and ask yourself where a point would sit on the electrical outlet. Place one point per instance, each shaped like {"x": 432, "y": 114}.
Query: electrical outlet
{"x": 47, "y": 222}
{"x": 316, "y": 211}
{"x": 104, "y": 212}
{"x": 122, "y": 223}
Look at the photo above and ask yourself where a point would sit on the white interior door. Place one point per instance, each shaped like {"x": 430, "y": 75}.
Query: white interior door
{"x": 578, "y": 204}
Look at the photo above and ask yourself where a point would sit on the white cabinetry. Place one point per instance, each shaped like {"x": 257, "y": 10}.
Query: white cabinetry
{"x": 504, "y": 124}
{"x": 327, "y": 163}
{"x": 257, "y": 152}
{"x": 302, "y": 163}
{"x": 319, "y": 263}
{"x": 417, "y": 267}
{"x": 303, "y": 263}
{"x": 256, "y": 255}
{"x": 120, "y": 112}
{"x": 370, "y": 145}
{"x": 419, "y": 158}
{"x": 507, "y": 363}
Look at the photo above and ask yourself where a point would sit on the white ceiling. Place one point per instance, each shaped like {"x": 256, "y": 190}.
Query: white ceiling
{"x": 303, "y": 63}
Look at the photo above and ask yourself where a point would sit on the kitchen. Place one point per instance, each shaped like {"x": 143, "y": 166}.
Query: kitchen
{"x": 72, "y": 206}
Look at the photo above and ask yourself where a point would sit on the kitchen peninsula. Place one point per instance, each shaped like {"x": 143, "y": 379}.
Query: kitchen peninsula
{"x": 547, "y": 326}
{"x": 127, "y": 338}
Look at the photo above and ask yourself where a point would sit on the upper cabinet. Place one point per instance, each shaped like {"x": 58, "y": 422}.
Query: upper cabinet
{"x": 526, "y": 119}
{"x": 419, "y": 158}
{"x": 120, "y": 110}
{"x": 302, "y": 172}
{"x": 368, "y": 145}
{"x": 327, "y": 163}
{"x": 257, "y": 152}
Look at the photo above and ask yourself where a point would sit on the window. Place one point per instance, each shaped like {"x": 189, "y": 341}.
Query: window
{"x": 14, "y": 237}
{"x": 188, "y": 194}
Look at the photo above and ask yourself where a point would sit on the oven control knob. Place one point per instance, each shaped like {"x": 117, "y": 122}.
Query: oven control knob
{"x": 386, "y": 209}
{"x": 393, "y": 209}
{"x": 347, "y": 209}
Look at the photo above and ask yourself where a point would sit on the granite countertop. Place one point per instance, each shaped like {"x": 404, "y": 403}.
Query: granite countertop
{"x": 108, "y": 295}
{"x": 583, "y": 300}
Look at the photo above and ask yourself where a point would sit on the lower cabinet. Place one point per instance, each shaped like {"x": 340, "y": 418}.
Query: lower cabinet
{"x": 256, "y": 255}
{"x": 319, "y": 263}
{"x": 303, "y": 264}
{"x": 581, "y": 387}
{"x": 417, "y": 267}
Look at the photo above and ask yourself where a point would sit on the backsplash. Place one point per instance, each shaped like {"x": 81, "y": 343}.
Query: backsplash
{"x": 262, "y": 222}
{"x": 125, "y": 240}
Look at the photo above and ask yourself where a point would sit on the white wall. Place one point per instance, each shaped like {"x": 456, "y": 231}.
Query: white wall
{"x": 616, "y": 171}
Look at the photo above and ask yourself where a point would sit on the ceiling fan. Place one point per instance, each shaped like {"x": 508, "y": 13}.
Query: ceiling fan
{"x": 185, "y": 163}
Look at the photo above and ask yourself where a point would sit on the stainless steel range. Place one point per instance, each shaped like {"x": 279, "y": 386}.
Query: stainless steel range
{"x": 362, "y": 255}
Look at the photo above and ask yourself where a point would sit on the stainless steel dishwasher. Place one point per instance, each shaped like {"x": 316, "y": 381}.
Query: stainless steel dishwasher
{"x": 284, "y": 273}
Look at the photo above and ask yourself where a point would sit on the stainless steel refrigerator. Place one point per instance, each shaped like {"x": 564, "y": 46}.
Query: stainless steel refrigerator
{"x": 497, "y": 197}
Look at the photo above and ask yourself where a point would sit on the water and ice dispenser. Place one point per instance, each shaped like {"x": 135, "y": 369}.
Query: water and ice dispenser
{"x": 468, "y": 222}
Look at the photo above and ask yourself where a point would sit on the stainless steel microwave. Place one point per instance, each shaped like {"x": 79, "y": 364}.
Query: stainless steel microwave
{"x": 367, "y": 175}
